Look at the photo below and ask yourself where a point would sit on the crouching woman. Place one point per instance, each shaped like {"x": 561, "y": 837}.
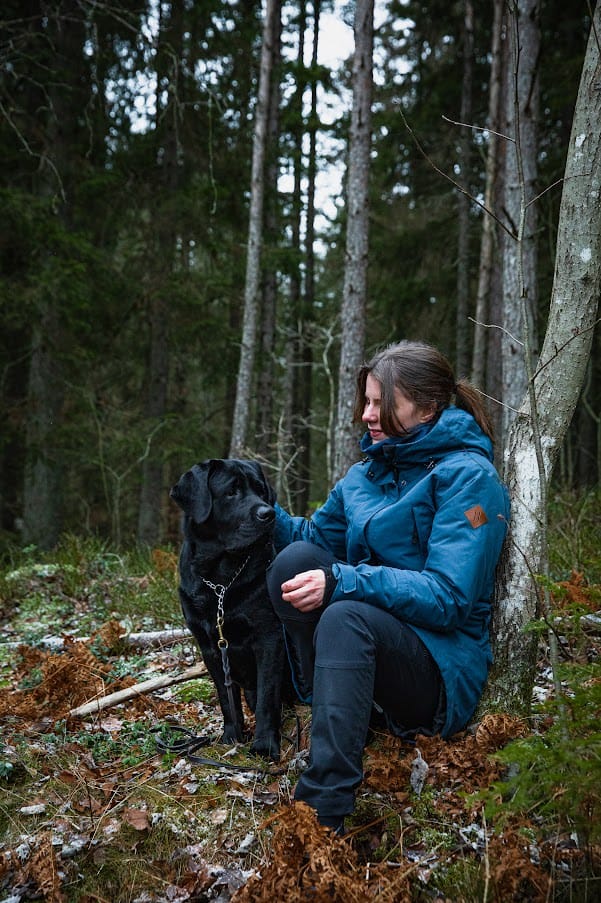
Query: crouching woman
{"x": 384, "y": 593}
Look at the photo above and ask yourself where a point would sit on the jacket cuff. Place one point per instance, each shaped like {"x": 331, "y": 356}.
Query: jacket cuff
{"x": 330, "y": 585}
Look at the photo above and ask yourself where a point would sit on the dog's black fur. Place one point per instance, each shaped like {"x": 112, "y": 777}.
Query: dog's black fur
{"x": 229, "y": 516}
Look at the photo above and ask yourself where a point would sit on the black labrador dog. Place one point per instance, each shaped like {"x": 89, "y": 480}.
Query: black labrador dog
{"x": 228, "y": 528}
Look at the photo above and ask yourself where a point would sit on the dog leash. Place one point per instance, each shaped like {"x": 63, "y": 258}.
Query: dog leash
{"x": 190, "y": 742}
{"x": 220, "y": 590}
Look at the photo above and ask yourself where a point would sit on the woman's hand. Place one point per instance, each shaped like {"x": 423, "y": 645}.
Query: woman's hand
{"x": 305, "y": 591}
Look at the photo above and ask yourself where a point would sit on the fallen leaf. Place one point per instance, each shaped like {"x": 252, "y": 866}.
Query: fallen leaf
{"x": 136, "y": 818}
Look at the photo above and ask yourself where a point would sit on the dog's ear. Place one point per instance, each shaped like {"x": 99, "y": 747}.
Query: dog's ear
{"x": 192, "y": 492}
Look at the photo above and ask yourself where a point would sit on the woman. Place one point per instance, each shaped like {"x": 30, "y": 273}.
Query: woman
{"x": 384, "y": 592}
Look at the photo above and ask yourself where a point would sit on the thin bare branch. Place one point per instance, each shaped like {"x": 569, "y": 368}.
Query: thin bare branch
{"x": 452, "y": 181}
{"x": 478, "y": 128}
{"x": 496, "y": 326}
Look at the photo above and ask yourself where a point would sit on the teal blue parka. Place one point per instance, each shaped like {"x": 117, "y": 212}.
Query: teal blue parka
{"x": 417, "y": 528}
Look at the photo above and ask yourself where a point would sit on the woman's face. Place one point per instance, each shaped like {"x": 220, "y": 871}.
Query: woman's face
{"x": 407, "y": 413}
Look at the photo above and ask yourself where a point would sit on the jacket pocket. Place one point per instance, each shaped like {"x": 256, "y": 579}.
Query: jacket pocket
{"x": 422, "y": 527}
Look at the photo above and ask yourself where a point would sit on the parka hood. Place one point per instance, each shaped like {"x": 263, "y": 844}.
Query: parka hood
{"x": 453, "y": 430}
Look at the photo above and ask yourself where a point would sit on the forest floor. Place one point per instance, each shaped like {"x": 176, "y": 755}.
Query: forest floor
{"x": 92, "y": 811}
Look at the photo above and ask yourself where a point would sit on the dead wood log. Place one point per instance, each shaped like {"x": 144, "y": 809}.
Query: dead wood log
{"x": 147, "y": 686}
{"x": 145, "y": 639}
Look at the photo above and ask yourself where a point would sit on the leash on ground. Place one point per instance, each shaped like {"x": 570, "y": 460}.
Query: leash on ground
{"x": 189, "y": 743}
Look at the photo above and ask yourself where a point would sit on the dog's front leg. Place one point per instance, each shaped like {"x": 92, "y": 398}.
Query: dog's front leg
{"x": 270, "y": 658}
{"x": 233, "y": 721}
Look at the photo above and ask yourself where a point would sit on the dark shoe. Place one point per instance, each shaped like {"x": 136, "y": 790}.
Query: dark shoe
{"x": 334, "y": 822}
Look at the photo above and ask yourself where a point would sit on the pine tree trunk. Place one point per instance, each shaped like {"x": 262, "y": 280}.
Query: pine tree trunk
{"x": 58, "y": 121}
{"x": 486, "y": 266}
{"x": 519, "y": 254}
{"x": 265, "y": 406}
{"x": 244, "y": 383}
{"x": 557, "y": 383}
{"x": 43, "y": 470}
{"x": 152, "y": 489}
{"x": 357, "y": 239}
{"x": 305, "y": 370}
{"x": 463, "y": 245}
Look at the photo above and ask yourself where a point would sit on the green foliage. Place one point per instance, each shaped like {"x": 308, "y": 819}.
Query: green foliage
{"x": 132, "y": 744}
{"x": 554, "y": 774}
{"x": 575, "y": 534}
{"x": 193, "y": 690}
{"x": 83, "y": 583}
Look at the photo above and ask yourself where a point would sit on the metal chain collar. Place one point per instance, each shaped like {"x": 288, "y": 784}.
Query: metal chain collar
{"x": 220, "y": 590}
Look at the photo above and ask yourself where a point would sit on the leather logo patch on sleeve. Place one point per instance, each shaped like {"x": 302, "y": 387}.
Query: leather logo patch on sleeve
{"x": 476, "y": 516}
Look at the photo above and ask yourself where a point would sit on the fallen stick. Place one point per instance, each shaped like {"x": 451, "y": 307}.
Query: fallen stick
{"x": 147, "y": 686}
{"x": 157, "y": 637}
{"x": 144, "y": 639}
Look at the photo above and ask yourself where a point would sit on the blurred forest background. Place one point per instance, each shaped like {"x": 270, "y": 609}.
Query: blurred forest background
{"x": 126, "y": 132}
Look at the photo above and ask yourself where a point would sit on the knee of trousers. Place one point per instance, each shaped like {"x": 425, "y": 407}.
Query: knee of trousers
{"x": 294, "y": 559}
{"x": 344, "y": 635}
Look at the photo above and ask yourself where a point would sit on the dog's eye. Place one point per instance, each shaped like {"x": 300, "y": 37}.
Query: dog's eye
{"x": 233, "y": 490}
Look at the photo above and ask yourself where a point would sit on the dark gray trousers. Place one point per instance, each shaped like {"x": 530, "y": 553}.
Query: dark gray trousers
{"x": 345, "y": 657}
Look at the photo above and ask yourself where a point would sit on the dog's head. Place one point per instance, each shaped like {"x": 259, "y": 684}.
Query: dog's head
{"x": 228, "y": 499}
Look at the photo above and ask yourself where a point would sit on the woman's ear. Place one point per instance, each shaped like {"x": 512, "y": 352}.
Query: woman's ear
{"x": 427, "y": 414}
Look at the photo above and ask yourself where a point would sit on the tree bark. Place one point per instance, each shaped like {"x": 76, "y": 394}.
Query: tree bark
{"x": 252, "y": 284}
{"x": 303, "y": 387}
{"x": 357, "y": 238}
{"x": 168, "y": 155}
{"x": 42, "y": 485}
{"x": 462, "y": 331}
{"x": 265, "y": 411}
{"x": 485, "y": 269}
{"x": 557, "y": 383}
{"x": 57, "y": 114}
{"x": 519, "y": 254}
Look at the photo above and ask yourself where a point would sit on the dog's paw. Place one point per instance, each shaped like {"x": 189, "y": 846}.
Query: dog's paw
{"x": 232, "y": 735}
{"x": 266, "y": 747}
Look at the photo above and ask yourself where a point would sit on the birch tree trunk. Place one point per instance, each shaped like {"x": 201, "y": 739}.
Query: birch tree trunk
{"x": 255, "y": 236}
{"x": 357, "y": 238}
{"x": 519, "y": 254}
{"x": 557, "y": 383}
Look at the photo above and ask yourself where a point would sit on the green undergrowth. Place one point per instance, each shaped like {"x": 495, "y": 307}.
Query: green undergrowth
{"x": 82, "y": 584}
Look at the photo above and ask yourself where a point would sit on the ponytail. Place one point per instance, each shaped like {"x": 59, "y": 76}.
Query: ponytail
{"x": 469, "y": 399}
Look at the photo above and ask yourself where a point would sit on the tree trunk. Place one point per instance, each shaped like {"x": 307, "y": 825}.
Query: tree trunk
{"x": 463, "y": 245}
{"x": 42, "y": 486}
{"x": 152, "y": 490}
{"x": 520, "y": 253}
{"x": 485, "y": 270}
{"x": 63, "y": 35}
{"x": 265, "y": 415}
{"x": 357, "y": 238}
{"x": 557, "y": 383}
{"x": 305, "y": 369}
{"x": 293, "y": 440}
{"x": 252, "y": 284}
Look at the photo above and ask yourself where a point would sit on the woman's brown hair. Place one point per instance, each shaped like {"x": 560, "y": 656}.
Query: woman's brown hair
{"x": 424, "y": 375}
